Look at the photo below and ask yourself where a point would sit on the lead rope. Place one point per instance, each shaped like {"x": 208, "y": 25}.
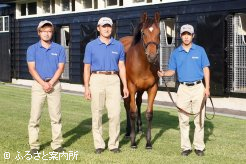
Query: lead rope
{"x": 204, "y": 101}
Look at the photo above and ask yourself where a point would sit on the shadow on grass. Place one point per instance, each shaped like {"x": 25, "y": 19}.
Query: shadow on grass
{"x": 164, "y": 121}
{"x": 208, "y": 130}
{"x": 83, "y": 128}
{"x": 161, "y": 120}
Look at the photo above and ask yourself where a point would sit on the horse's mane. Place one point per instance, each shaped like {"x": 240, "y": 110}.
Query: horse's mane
{"x": 137, "y": 31}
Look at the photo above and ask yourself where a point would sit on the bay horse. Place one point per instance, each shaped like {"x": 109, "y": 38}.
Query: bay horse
{"x": 142, "y": 64}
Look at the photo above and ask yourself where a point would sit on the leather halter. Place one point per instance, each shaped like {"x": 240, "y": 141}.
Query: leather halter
{"x": 145, "y": 45}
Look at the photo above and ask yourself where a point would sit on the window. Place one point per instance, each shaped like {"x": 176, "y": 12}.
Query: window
{"x": 65, "y": 42}
{"x": 136, "y": 1}
{"x": 28, "y": 8}
{"x": 1, "y": 23}
{"x": 53, "y": 5}
{"x": 23, "y": 9}
{"x": 86, "y": 4}
{"x": 46, "y": 6}
{"x": 242, "y": 27}
{"x": 112, "y": 2}
{"x": 4, "y": 23}
{"x": 169, "y": 30}
{"x": 32, "y": 8}
{"x": 65, "y": 5}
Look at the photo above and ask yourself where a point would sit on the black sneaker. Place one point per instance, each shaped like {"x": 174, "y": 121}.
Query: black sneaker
{"x": 199, "y": 152}
{"x": 116, "y": 150}
{"x": 99, "y": 151}
{"x": 34, "y": 152}
{"x": 186, "y": 152}
{"x": 59, "y": 149}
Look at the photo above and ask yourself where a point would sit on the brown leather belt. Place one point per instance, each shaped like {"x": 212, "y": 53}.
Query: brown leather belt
{"x": 106, "y": 72}
{"x": 47, "y": 80}
{"x": 191, "y": 83}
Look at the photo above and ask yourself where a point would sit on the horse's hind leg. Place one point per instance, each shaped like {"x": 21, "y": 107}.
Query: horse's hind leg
{"x": 139, "y": 119}
{"x": 128, "y": 123}
{"x": 149, "y": 114}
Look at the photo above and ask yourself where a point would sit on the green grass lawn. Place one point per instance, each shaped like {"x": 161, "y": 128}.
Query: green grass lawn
{"x": 225, "y": 137}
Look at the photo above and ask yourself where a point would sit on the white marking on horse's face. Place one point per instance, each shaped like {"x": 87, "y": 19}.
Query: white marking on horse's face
{"x": 151, "y": 29}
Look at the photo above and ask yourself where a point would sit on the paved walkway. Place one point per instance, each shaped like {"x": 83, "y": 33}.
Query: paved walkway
{"x": 228, "y": 106}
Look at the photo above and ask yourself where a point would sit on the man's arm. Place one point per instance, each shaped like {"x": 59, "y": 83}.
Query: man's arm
{"x": 87, "y": 74}
{"x": 166, "y": 73}
{"x": 57, "y": 74}
{"x": 206, "y": 72}
{"x": 31, "y": 67}
{"x": 122, "y": 73}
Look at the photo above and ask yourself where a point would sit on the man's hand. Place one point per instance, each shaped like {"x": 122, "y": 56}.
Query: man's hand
{"x": 47, "y": 87}
{"x": 126, "y": 92}
{"x": 207, "y": 92}
{"x": 87, "y": 93}
{"x": 160, "y": 73}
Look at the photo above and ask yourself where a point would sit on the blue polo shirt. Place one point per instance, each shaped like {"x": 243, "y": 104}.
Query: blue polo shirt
{"x": 104, "y": 57}
{"x": 46, "y": 60}
{"x": 189, "y": 65}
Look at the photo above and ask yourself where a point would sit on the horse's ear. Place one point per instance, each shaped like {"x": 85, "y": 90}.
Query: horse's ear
{"x": 144, "y": 17}
{"x": 157, "y": 17}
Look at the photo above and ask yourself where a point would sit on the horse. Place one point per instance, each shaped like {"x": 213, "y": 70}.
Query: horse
{"x": 142, "y": 64}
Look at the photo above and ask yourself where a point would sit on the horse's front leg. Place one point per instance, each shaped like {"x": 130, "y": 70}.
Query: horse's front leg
{"x": 149, "y": 114}
{"x": 139, "y": 119}
{"x": 128, "y": 123}
{"x": 133, "y": 115}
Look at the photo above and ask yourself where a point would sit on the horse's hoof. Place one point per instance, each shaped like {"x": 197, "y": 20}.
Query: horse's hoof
{"x": 134, "y": 146}
{"x": 148, "y": 146}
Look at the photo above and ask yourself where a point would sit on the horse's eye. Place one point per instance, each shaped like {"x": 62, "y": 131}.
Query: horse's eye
{"x": 143, "y": 33}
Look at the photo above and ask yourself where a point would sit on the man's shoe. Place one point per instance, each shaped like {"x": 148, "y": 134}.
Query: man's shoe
{"x": 199, "y": 152}
{"x": 186, "y": 152}
{"x": 59, "y": 149}
{"x": 99, "y": 151}
{"x": 116, "y": 150}
{"x": 34, "y": 152}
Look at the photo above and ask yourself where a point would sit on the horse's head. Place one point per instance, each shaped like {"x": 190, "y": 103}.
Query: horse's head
{"x": 150, "y": 35}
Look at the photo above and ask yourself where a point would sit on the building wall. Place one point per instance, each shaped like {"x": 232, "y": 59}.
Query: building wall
{"x": 192, "y": 12}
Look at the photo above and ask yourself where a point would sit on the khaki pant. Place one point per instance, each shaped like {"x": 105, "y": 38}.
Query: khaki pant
{"x": 189, "y": 98}
{"x": 105, "y": 91}
{"x": 54, "y": 107}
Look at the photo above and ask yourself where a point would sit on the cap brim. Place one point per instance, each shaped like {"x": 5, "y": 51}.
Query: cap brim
{"x": 105, "y": 24}
{"x": 186, "y": 31}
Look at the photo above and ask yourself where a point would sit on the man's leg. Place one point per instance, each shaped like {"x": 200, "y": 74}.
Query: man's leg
{"x": 183, "y": 102}
{"x": 198, "y": 95}
{"x": 54, "y": 105}
{"x": 97, "y": 105}
{"x": 113, "y": 99}
{"x": 38, "y": 98}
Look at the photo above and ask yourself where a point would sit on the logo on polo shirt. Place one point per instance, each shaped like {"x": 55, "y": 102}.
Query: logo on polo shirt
{"x": 54, "y": 54}
{"x": 195, "y": 57}
{"x": 114, "y": 52}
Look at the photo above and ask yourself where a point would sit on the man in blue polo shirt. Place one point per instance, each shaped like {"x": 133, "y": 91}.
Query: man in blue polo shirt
{"x": 45, "y": 61}
{"x": 192, "y": 65}
{"x": 103, "y": 62}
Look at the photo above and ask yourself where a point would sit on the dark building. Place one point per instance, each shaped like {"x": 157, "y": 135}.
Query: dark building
{"x": 220, "y": 27}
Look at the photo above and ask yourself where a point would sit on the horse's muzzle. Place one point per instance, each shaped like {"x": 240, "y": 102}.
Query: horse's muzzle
{"x": 152, "y": 58}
